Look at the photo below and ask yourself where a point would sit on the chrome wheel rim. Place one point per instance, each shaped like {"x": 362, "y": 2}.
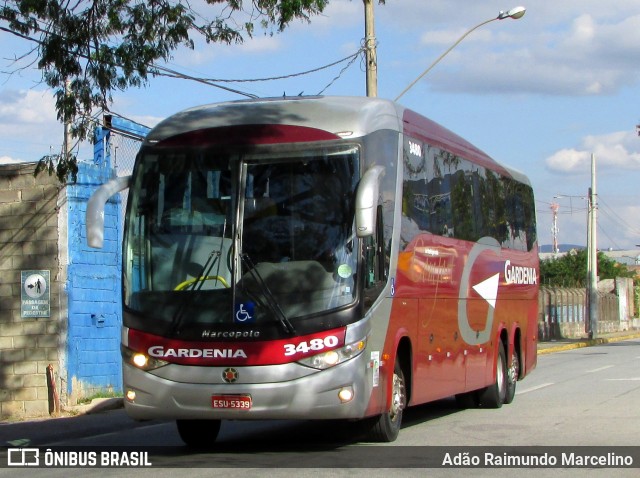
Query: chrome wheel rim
{"x": 397, "y": 398}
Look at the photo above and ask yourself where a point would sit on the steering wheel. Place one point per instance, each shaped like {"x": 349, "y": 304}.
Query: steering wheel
{"x": 188, "y": 282}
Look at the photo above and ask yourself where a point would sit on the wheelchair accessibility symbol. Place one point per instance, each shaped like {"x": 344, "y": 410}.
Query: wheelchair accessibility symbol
{"x": 244, "y": 313}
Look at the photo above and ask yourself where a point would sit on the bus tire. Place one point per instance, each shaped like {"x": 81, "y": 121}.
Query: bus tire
{"x": 385, "y": 427}
{"x": 494, "y": 395}
{"x": 198, "y": 433}
{"x": 512, "y": 377}
{"x": 467, "y": 400}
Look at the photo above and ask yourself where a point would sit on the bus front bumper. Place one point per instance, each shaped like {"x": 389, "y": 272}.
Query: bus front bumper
{"x": 301, "y": 393}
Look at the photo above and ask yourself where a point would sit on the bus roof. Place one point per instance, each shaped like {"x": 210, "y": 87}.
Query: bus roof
{"x": 342, "y": 116}
{"x": 359, "y": 116}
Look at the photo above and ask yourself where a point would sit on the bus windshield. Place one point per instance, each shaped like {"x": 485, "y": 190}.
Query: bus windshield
{"x": 219, "y": 238}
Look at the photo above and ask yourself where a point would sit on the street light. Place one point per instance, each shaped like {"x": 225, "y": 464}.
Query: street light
{"x": 515, "y": 13}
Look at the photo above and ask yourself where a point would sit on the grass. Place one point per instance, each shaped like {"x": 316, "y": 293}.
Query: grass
{"x": 99, "y": 394}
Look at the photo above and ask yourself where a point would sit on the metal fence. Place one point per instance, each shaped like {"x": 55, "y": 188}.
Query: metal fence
{"x": 123, "y": 150}
{"x": 123, "y": 142}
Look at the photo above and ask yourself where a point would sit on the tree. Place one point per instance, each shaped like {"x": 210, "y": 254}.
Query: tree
{"x": 88, "y": 48}
{"x": 570, "y": 270}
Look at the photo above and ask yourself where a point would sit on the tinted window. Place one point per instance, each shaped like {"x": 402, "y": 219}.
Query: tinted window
{"x": 447, "y": 195}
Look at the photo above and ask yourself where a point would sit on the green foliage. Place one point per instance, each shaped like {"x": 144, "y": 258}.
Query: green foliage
{"x": 100, "y": 393}
{"x": 64, "y": 167}
{"x": 570, "y": 270}
{"x": 88, "y": 48}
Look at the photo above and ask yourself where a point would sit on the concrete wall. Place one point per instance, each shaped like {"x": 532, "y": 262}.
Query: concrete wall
{"x": 562, "y": 311}
{"x": 42, "y": 228}
{"x": 29, "y": 236}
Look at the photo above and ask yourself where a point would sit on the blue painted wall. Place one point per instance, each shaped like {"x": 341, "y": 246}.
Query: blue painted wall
{"x": 94, "y": 277}
{"x": 93, "y": 285}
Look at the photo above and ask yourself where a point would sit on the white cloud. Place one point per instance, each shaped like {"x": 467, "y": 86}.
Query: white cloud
{"x": 448, "y": 37}
{"x": 338, "y": 14}
{"x": 568, "y": 160}
{"x": 620, "y": 150}
{"x": 10, "y": 160}
{"x": 260, "y": 44}
{"x": 208, "y": 55}
{"x": 583, "y": 31}
{"x": 550, "y": 51}
{"x": 29, "y": 128}
{"x": 28, "y": 125}
{"x": 27, "y": 107}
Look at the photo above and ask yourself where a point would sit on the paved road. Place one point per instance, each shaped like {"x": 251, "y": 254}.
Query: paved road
{"x": 581, "y": 397}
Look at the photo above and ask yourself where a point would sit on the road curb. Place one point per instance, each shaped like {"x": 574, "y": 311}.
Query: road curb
{"x": 97, "y": 405}
{"x": 587, "y": 343}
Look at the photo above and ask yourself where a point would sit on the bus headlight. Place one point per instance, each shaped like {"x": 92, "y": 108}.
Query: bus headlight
{"x": 140, "y": 360}
{"x": 332, "y": 358}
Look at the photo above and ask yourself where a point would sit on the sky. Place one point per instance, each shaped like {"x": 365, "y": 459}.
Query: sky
{"x": 542, "y": 94}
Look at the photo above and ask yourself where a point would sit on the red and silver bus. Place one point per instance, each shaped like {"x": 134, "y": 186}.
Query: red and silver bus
{"x": 320, "y": 258}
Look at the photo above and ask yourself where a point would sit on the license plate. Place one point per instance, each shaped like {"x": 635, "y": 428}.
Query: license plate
{"x": 231, "y": 402}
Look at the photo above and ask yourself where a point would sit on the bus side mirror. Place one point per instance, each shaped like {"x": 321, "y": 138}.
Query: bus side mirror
{"x": 367, "y": 201}
{"x": 95, "y": 209}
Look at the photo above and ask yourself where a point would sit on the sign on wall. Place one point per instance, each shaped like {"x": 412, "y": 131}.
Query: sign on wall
{"x": 35, "y": 296}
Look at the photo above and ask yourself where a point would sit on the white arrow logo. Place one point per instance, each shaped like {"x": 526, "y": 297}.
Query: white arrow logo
{"x": 488, "y": 289}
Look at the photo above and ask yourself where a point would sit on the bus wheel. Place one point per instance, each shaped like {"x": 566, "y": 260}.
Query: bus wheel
{"x": 385, "y": 427}
{"x": 494, "y": 395}
{"x": 512, "y": 377}
{"x": 467, "y": 400}
{"x": 198, "y": 433}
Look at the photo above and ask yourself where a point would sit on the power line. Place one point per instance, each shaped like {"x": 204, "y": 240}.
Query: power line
{"x": 168, "y": 72}
{"x": 159, "y": 70}
{"x": 171, "y": 73}
{"x": 611, "y": 212}
{"x": 601, "y": 229}
{"x": 351, "y": 57}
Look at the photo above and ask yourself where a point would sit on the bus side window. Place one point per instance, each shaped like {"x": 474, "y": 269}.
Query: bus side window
{"x": 374, "y": 256}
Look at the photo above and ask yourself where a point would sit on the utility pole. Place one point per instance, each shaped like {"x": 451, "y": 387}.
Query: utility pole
{"x": 554, "y": 228}
{"x": 370, "y": 49}
{"x": 67, "y": 127}
{"x": 592, "y": 263}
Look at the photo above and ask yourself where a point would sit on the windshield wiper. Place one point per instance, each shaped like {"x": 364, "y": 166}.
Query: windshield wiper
{"x": 271, "y": 301}
{"x": 196, "y": 285}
